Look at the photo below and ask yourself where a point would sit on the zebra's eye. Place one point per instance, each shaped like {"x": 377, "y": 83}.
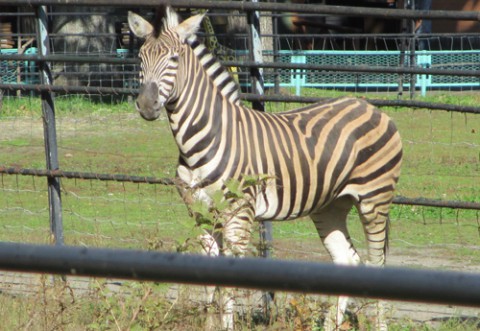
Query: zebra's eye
{"x": 174, "y": 58}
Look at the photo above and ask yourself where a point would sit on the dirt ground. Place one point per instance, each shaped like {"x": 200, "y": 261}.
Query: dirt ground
{"x": 437, "y": 258}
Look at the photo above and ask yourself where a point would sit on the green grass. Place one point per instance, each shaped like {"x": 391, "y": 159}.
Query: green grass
{"x": 442, "y": 161}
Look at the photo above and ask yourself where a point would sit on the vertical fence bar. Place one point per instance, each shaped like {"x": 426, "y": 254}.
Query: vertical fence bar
{"x": 403, "y": 46}
{"x": 276, "y": 49}
{"x": 49, "y": 129}
{"x": 413, "y": 56}
{"x": 256, "y": 55}
{"x": 258, "y": 88}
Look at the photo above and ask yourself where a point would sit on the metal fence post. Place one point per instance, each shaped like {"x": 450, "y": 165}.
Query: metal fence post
{"x": 256, "y": 73}
{"x": 256, "y": 50}
{"x": 50, "y": 135}
{"x": 413, "y": 57}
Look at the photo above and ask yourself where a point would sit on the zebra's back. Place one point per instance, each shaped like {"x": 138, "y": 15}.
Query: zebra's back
{"x": 315, "y": 154}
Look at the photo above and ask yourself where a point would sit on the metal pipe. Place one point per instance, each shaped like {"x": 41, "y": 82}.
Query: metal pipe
{"x": 256, "y": 55}
{"x": 263, "y": 6}
{"x": 85, "y": 175}
{"x": 413, "y": 46}
{"x": 169, "y": 181}
{"x": 245, "y": 96}
{"x": 68, "y": 89}
{"x": 376, "y": 102}
{"x": 70, "y": 58}
{"x": 49, "y": 128}
{"x": 399, "y": 200}
{"x": 253, "y": 64}
{"x": 356, "y": 68}
{"x": 440, "y": 287}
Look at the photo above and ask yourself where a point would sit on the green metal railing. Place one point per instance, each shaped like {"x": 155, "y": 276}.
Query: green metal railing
{"x": 448, "y": 60}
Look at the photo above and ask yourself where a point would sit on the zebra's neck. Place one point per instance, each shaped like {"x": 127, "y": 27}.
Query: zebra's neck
{"x": 220, "y": 76}
{"x": 197, "y": 119}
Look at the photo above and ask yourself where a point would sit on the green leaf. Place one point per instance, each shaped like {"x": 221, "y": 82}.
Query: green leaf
{"x": 235, "y": 190}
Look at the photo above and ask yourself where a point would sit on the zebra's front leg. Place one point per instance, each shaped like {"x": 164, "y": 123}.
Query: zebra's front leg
{"x": 331, "y": 225}
{"x": 210, "y": 242}
{"x": 340, "y": 247}
{"x": 237, "y": 232}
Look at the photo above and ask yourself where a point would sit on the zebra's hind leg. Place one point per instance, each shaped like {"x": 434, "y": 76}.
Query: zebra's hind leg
{"x": 331, "y": 225}
{"x": 374, "y": 216}
{"x": 237, "y": 232}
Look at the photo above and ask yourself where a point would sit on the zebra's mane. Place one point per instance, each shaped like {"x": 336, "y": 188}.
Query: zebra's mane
{"x": 220, "y": 76}
{"x": 168, "y": 19}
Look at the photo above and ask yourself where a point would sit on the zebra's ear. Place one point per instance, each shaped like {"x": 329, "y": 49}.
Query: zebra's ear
{"x": 138, "y": 25}
{"x": 169, "y": 16}
{"x": 189, "y": 27}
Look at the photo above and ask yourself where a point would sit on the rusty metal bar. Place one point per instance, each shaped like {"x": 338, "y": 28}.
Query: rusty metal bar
{"x": 263, "y": 6}
{"x": 399, "y": 200}
{"x": 85, "y": 175}
{"x": 49, "y": 128}
{"x": 245, "y": 96}
{"x": 356, "y": 68}
{"x": 169, "y": 181}
{"x": 376, "y": 102}
{"x": 254, "y": 64}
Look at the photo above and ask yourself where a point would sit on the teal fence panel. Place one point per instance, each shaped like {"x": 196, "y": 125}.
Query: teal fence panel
{"x": 18, "y": 72}
{"x": 453, "y": 60}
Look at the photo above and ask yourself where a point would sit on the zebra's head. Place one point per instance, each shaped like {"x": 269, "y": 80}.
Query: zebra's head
{"x": 160, "y": 57}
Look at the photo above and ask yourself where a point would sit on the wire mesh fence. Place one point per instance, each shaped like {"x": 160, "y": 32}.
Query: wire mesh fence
{"x": 103, "y": 33}
{"x": 99, "y": 133}
{"x": 441, "y": 163}
{"x": 85, "y": 33}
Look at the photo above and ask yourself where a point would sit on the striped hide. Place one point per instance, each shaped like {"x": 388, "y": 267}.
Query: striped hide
{"x": 318, "y": 161}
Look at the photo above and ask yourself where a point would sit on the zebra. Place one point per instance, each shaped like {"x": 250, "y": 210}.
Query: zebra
{"x": 320, "y": 160}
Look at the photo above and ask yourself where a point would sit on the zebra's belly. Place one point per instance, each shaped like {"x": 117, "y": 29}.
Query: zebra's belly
{"x": 271, "y": 204}
{"x": 274, "y": 199}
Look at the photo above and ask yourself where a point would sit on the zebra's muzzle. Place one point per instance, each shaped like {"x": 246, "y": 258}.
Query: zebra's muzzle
{"x": 148, "y": 104}
{"x": 149, "y": 114}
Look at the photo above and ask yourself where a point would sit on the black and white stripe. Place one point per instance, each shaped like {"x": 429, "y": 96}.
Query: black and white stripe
{"x": 219, "y": 74}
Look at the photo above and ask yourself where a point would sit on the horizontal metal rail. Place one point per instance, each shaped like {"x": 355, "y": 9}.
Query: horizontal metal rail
{"x": 352, "y": 68}
{"x": 69, "y": 89}
{"x": 263, "y": 6}
{"x": 85, "y": 175}
{"x": 71, "y": 58}
{"x": 244, "y": 96}
{"x": 425, "y": 202}
{"x": 376, "y": 102}
{"x": 440, "y": 287}
{"x": 251, "y": 64}
{"x": 169, "y": 181}
{"x": 386, "y": 36}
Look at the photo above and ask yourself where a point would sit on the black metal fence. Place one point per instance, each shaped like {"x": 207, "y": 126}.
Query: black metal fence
{"x": 438, "y": 287}
{"x": 392, "y": 57}
{"x": 114, "y": 71}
